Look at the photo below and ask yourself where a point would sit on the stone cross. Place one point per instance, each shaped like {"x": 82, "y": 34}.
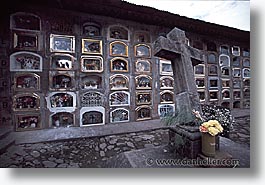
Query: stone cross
{"x": 173, "y": 47}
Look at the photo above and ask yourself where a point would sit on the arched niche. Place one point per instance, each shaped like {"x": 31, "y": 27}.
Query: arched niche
{"x": 92, "y": 99}
{"x": 118, "y": 48}
{"x": 25, "y": 21}
{"x": 141, "y": 37}
{"x": 91, "y": 29}
{"x": 119, "y": 82}
{"x": 119, "y": 115}
{"x": 28, "y": 121}
{"x": 246, "y": 73}
{"x": 119, "y": 98}
{"x": 236, "y": 50}
{"x": 199, "y": 70}
{"x": 92, "y": 64}
{"x": 143, "y": 97}
{"x": 61, "y": 101}
{"x": 62, "y": 61}
{"x": 213, "y": 70}
{"x": 26, "y": 102}
{"x": 226, "y": 94}
{"x": 62, "y": 119}
{"x": 25, "y": 61}
{"x": 166, "y": 96}
{"x": 119, "y": 64}
{"x": 90, "y": 116}
{"x": 142, "y": 50}
{"x": 62, "y": 80}
{"x": 236, "y": 104}
{"x": 142, "y": 66}
{"x": 224, "y": 49}
{"x": 91, "y": 82}
{"x": 118, "y": 32}
{"x": 143, "y": 82}
{"x": 143, "y": 113}
{"x": 27, "y": 82}
{"x": 166, "y": 82}
{"x": 246, "y": 63}
{"x": 224, "y": 60}
{"x": 212, "y": 58}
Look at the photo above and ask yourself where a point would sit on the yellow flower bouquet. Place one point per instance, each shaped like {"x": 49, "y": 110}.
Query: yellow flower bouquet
{"x": 213, "y": 127}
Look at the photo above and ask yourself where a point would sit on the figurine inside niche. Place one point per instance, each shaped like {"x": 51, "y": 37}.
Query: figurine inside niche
{"x": 119, "y": 65}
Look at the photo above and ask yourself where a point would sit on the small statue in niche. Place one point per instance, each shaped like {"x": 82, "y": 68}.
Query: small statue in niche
{"x": 92, "y": 47}
{"x": 119, "y": 65}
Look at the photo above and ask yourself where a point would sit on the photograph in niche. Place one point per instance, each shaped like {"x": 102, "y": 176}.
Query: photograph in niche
{"x": 114, "y": 84}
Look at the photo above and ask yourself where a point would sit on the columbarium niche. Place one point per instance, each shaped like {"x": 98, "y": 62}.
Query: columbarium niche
{"x": 61, "y": 101}
{"x": 62, "y": 119}
{"x": 164, "y": 110}
{"x": 119, "y": 65}
{"x": 119, "y": 82}
{"x": 25, "y": 21}
{"x": 91, "y": 64}
{"x": 62, "y": 43}
{"x": 199, "y": 70}
{"x": 118, "y": 48}
{"x": 143, "y": 82}
{"x": 166, "y": 82}
{"x": 27, "y": 82}
{"x": 166, "y": 96}
{"x": 142, "y": 66}
{"x": 142, "y": 50}
{"x": 226, "y": 94}
{"x": 118, "y": 32}
{"x": 119, "y": 98}
{"x": 92, "y": 99}
{"x": 91, "y": 82}
{"x": 90, "y": 116}
{"x": 119, "y": 115}
{"x": 26, "y": 41}
{"x": 26, "y": 102}
{"x": 143, "y": 98}
{"x": 166, "y": 67}
{"x": 61, "y": 61}
{"x": 62, "y": 80}
{"x": 27, "y": 122}
{"x": 91, "y": 29}
{"x": 143, "y": 113}
{"x": 246, "y": 73}
{"x": 224, "y": 60}
{"x": 25, "y": 61}
{"x": 92, "y": 46}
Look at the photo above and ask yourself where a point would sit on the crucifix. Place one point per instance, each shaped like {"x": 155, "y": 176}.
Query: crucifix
{"x": 174, "y": 47}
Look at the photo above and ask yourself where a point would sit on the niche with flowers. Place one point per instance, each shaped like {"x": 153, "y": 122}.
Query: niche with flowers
{"x": 119, "y": 65}
{"x": 62, "y": 119}
{"x": 92, "y": 64}
{"x": 27, "y": 122}
{"x": 61, "y": 101}
{"x": 119, "y": 82}
{"x": 25, "y": 61}
{"x": 91, "y": 82}
{"x": 62, "y": 80}
{"x": 119, "y": 115}
{"x": 27, "y": 82}
{"x": 26, "y": 102}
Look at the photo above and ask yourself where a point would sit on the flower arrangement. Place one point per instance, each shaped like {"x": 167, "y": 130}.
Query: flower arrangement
{"x": 212, "y": 127}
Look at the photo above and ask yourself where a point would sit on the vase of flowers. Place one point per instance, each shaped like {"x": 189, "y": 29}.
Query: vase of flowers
{"x": 209, "y": 131}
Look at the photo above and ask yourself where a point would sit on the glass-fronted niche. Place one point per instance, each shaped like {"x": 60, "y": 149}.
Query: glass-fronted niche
{"x": 119, "y": 82}
{"x": 119, "y": 64}
{"x": 27, "y": 82}
{"x": 92, "y": 64}
{"x": 29, "y": 121}
{"x": 166, "y": 82}
{"x": 166, "y": 109}
{"x": 119, "y": 115}
{"x": 62, "y": 119}
{"x": 62, "y": 80}
{"x": 25, "y": 61}
{"x": 90, "y": 116}
{"x": 25, "y": 21}
{"x": 143, "y": 113}
{"x": 62, "y": 43}
{"x": 143, "y": 82}
{"x": 26, "y": 102}
{"x": 166, "y": 67}
{"x": 142, "y": 66}
{"x": 26, "y": 41}
{"x": 119, "y": 98}
{"x": 143, "y": 97}
{"x": 91, "y": 82}
{"x": 61, "y": 101}
{"x": 61, "y": 61}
